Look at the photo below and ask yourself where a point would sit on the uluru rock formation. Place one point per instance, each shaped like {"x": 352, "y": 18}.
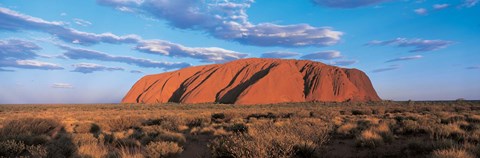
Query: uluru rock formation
{"x": 255, "y": 81}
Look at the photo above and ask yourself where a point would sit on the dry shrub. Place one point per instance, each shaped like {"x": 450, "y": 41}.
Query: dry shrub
{"x": 198, "y": 122}
{"x": 37, "y": 131}
{"x": 126, "y": 142}
{"x": 295, "y": 137}
{"x": 171, "y": 137}
{"x": 204, "y": 130}
{"x": 124, "y": 123}
{"x": 384, "y": 130}
{"x": 473, "y": 118}
{"x": 11, "y": 148}
{"x": 337, "y": 121}
{"x": 417, "y": 147}
{"x": 347, "y": 129}
{"x": 166, "y": 122}
{"x": 447, "y": 131}
{"x": 61, "y": 146}
{"x": 93, "y": 150}
{"x": 127, "y": 152}
{"x": 30, "y": 126}
{"x": 222, "y": 117}
{"x": 361, "y": 112}
{"x": 238, "y": 127}
{"x": 163, "y": 149}
{"x": 37, "y": 151}
{"x": 84, "y": 138}
{"x": 158, "y": 133}
{"x": 452, "y": 153}
{"x": 412, "y": 127}
{"x": 86, "y": 127}
{"x": 220, "y": 132}
{"x": 369, "y": 138}
{"x": 452, "y": 119}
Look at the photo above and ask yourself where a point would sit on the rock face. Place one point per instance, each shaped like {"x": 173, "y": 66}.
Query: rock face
{"x": 254, "y": 81}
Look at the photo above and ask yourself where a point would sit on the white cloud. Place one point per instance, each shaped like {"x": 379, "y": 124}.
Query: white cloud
{"x": 440, "y": 6}
{"x": 82, "y": 22}
{"x": 229, "y": 21}
{"x": 62, "y": 85}
{"x": 279, "y": 54}
{"x": 469, "y": 3}
{"x": 205, "y": 54}
{"x": 79, "y": 53}
{"x": 324, "y": 55}
{"x": 347, "y": 3}
{"x": 415, "y": 57}
{"x": 419, "y": 45}
{"x": 344, "y": 62}
{"x": 91, "y": 67}
{"x": 420, "y": 11}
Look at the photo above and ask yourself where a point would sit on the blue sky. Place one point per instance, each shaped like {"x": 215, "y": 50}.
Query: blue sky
{"x": 55, "y": 51}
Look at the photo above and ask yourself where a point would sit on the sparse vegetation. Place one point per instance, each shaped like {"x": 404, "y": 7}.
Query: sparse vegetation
{"x": 383, "y": 129}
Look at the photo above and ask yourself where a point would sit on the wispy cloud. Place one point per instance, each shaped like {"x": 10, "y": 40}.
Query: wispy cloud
{"x": 91, "y": 67}
{"x": 14, "y": 21}
{"x": 469, "y": 3}
{"x": 6, "y": 70}
{"x": 136, "y": 71}
{"x": 415, "y": 57}
{"x": 473, "y": 67}
{"x": 324, "y": 55}
{"x": 440, "y": 6}
{"x": 205, "y": 54}
{"x": 79, "y": 53}
{"x": 421, "y": 11}
{"x": 229, "y": 21}
{"x": 347, "y": 3}
{"x": 279, "y": 54}
{"x": 344, "y": 62}
{"x": 20, "y": 54}
{"x": 419, "y": 45}
{"x": 62, "y": 85}
{"x": 34, "y": 64}
{"x": 82, "y": 22}
{"x": 389, "y": 68}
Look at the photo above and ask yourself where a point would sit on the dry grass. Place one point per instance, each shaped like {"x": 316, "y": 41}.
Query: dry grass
{"x": 383, "y": 129}
{"x": 452, "y": 153}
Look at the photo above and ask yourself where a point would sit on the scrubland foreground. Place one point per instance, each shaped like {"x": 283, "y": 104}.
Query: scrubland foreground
{"x": 382, "y": 129}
